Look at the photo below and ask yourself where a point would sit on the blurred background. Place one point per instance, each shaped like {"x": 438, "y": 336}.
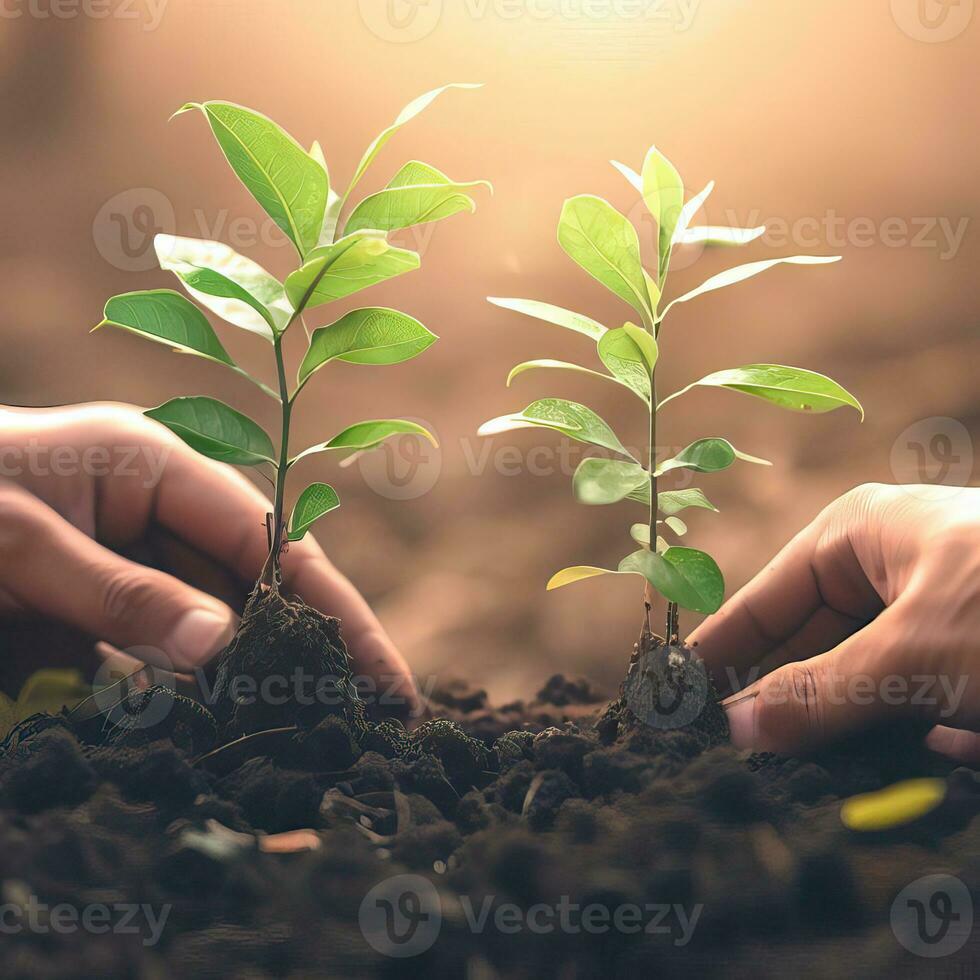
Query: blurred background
{"x": 844, "y": 127}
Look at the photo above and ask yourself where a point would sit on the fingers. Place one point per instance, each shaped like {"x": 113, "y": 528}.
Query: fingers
{"x": 146, "y": 477}
{"x": 807, "y": 599}
{"x": 957, "y": 744}
{"x": 222, "y": 514}
{"x": 52, "y": 568}
{"x": 862, "y": 682}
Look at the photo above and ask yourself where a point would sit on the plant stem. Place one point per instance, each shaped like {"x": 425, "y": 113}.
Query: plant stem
{"x": 652, "y": 460}
{"x": 271, "y": 573}
{"x": 648, "y": 594}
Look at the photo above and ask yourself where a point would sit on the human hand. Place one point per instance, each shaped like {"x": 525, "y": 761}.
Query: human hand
{"x": 869, "y": 615}
{"x": 81, "y": 485}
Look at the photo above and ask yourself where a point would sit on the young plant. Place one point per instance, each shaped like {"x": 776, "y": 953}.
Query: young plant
{"x": 341, "y": 251}
{"x": 605, "y": 244}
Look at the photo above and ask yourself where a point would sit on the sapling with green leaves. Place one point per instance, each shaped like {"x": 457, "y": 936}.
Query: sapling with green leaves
{"x": 604, "y": 243}
{"x": 342, "y": 248}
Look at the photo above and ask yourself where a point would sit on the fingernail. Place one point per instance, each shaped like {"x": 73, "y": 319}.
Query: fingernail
{"x": 198, "y": 636}
{"x": 740, "y": 711}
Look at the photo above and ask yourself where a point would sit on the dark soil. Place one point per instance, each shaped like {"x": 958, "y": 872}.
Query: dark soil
{"x": 569, "y": 800}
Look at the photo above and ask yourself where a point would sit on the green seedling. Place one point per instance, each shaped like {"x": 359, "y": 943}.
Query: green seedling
{"x": 604, "y": 243}
{"x": 342, "y": 249}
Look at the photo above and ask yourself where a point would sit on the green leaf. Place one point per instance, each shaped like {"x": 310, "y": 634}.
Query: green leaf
{"x": 707, "y": 456}
{"x": 332, "y": 211}
{"x": 289, "y": 183}
{"x": 607, "y": 481}
{"x": 328, "y": 230}
{"x": 634, "y": 179}
{"x": 569, "y": 418}
{"x": 640, "y": 533}
{"x": 674, "y": 501}
{"x": 720, "y": 235}
{"x": 367, "y": 435}
{"x": 357, "y": 261}
{"x": 375, "y": 335}
{"x": 316, "y": 153}
{"x": 50, "y": 690}
{"x": 552, "y": 314}
{"x": 405, "y": 116}
{"x": 166, "y": 317}
{"x": 231, "y": 285}
{"x": 315, "y": 501}
{"x": 663, "y": 194}
{"x": 682, "y": 575}
{"x": 620, "y": 352}
{"x": 546, "y": 362}
{"x": 646, "y": 343}
{"x": 653, "y": 291}
{"x": 215, "y": 430}
{"x": 742, "y": 272}
{"x": 605, "y": 245}
{"x": 575, "y": 573}
{"x": 688, "y": 211}
{"x": 416, "y": 195}
{"x": 46, "y": 690}
{"x": 788, "y": 387}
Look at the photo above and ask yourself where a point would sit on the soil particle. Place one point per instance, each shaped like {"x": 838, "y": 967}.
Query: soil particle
{"x": 158, "y": 713}
{"x": 426, "y": 776}
{"x": 511, "y": 786}
{"x": 561, "y": 691}
{"x": 54, "y": 773}
{"x": 273, "y": 799}
{"x": 545, "y": 795}
{"x": 158, "y": 772}
{"x": 554, "y": 749}
{"x": 331, "y": 743}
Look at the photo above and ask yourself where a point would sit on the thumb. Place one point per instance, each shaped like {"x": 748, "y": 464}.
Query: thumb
{"x": 859, "y": 684}
{"x": 54, "y": 569}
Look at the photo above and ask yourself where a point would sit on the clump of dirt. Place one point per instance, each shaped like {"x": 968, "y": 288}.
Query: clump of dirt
{"x": 285, "y": 644}
{"x": 666, "y": 688}
{"x": 693, "y": 858}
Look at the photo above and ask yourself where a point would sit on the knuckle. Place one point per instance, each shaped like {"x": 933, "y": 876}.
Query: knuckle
{"x": 121, "y": 424}
{"x": 809, "y": 707}
{"x": 862, "y": 498}
{"x": 127, "y": 592}
{"x": 792, "y": 712}
{"x": 853, "y": 514}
